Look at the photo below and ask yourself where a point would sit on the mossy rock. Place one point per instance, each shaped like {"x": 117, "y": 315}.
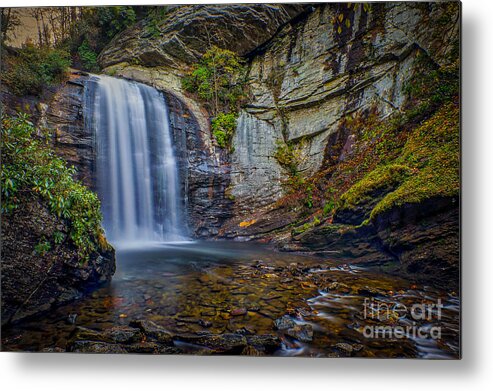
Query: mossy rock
{"x": 427, "y": 167}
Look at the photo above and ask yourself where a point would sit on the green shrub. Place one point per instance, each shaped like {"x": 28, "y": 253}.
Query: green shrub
{"x": 29, "y": 165}
{"x": 287, "y": 156}
{"x": 58, "y": 237}
{"x": 33, "y": 69}
{"x": 218, "y": 79}
{"x": 223, "y": 128}
{"x": 113, "y": 20}
{"x": 42, "y": 247}
{"x": 88, "y": 57}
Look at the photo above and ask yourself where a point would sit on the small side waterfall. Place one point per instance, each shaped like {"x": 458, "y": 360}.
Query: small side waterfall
{"x": 137, "y": 175}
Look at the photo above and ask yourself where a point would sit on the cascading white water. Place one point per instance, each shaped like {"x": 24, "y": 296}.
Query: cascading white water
{"x": 136, "y": 169}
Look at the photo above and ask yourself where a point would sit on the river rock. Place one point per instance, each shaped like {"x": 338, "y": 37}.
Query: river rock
{"x": 117, "y": 334}
{"x": 225, "y": 343}
{"x": 153, "y": 331}
{"x": 348, "y": 349}
{"x": 265, "y": 343}
{"x": 252, "y": 351}
{"x": 284, "y": 323}
{"x": 238, "y": 311}
{"x": 95, "y": 347}
{"x": 302, "y": 332}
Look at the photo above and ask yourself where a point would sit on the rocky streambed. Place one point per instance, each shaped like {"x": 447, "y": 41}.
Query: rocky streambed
{"x": 233, "y": 298}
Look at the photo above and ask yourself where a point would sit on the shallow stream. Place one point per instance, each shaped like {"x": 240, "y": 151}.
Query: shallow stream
{"x": 230, "y": 287}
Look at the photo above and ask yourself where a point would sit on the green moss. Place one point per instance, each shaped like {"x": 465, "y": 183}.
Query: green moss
{"x": 306, "y": 226}
{"x": 433, "y": 151}
{"x": 427, "y": 167}
{"x": 30, "y": 165}
{"x": 382, "y": 176}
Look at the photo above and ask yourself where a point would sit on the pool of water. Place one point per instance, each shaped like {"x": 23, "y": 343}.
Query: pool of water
{"x": 224, "y": 287}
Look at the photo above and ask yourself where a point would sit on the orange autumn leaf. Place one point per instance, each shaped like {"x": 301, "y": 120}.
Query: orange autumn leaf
{"x": 247, "y": 223}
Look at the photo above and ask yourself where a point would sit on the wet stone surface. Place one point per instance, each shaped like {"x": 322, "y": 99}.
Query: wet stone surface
{"x": 227, "y": 298}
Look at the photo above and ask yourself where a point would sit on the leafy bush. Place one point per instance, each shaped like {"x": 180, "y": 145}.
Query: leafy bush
{"x": 112, "y": 20}
{"x": 42, "y": 247}
{"x": 430, "y": 88}
{"x": 287, "y": 156}
{"x": 223, "y": 127}
{"x": 33, "y": 69}
{"x": 58, "y": 237}
{"x": 218, "y": 79}
{"x": 88, "y": 56}
{"x": 30, "y": 165}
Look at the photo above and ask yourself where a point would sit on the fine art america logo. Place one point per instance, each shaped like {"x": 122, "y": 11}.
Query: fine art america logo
{"x": 397, "y": 320}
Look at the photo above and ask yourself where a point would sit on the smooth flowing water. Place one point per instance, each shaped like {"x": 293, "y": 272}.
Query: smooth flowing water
{"x": 137, "y": 175}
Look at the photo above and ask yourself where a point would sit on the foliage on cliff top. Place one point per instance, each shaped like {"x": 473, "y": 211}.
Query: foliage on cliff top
{"x": 218, "y": 80}
{"x": 28, "y": 70}
{"x": 30, "y": 165}
{"x": 427, "y": 167}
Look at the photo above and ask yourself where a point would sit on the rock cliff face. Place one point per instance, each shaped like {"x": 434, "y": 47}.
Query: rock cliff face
{"x": 186, "y": 32}
{"x": 311, "y": 76}
{"x": 203, "y": 170}
{"x": 74, "y": 141}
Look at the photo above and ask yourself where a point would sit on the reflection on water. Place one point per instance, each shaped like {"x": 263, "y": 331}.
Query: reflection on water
{"x": 223, "y": 287}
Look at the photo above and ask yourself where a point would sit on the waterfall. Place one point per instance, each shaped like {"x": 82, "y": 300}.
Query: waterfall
{"x": 136, "y": 170}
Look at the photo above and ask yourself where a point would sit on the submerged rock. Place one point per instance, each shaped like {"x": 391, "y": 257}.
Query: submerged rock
{"x": 348, "y": 349}
{"x": 252, "y": 351}
{"x": 238, "y": 311}
{"x": 265, "y": 343}
{"x": 302, "y": 332}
